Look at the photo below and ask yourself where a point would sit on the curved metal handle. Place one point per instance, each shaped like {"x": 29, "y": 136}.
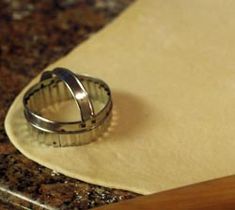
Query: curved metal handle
{"x": 76, "y": 88}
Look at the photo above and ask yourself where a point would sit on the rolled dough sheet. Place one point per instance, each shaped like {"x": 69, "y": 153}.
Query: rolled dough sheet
{"x": 171, "y": 67}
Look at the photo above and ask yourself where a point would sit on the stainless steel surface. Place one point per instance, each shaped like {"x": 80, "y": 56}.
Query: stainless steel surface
{"x": 76, "y": 88}
{"x": 62, "y": 85}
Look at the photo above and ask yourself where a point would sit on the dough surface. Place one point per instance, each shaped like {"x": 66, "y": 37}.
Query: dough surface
{"x": 171, "y": 68}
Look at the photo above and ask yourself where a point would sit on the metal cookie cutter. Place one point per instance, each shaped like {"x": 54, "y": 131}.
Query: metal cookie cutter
{"x": 61, "y": 85}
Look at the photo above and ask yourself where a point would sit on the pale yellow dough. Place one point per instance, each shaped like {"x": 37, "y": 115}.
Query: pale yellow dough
{"x": 171, "y": 67}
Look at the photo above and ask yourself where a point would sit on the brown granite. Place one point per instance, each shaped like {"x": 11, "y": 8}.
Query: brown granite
{"x": 32, "y": 35}
{"x": 7, "y": 206}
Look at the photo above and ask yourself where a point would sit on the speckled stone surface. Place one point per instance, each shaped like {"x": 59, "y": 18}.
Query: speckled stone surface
{"x": 32, "y": 35}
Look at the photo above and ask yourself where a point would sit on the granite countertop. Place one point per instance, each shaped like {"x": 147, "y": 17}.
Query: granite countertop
{"x": 34, "y": 34}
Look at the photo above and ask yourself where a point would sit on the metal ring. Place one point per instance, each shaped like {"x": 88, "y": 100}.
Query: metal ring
{"x": 62, "y": 84}
{"x": 75, "y": 87}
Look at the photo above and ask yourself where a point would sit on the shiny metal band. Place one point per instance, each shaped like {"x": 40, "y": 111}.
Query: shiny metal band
{"x": 62, "y": 85}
